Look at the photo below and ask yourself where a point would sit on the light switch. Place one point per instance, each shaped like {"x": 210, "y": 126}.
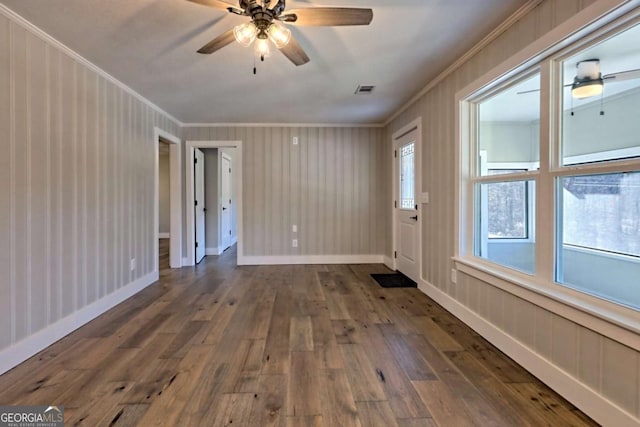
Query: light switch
{"x": 424, "y": 197}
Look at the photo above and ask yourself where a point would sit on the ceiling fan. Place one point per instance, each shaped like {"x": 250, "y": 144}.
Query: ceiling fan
{"x": 264, "y": 26}
{"x": 590, "y": 82}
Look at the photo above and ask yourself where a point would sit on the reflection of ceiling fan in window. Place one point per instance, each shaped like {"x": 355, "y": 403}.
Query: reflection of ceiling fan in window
{"x": 264, "y": 26}
{"x": 590, "y": 82}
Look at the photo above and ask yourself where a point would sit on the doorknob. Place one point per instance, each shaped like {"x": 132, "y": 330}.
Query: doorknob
{"x": 224, "y": 209}
{"x": 414, "y": 217}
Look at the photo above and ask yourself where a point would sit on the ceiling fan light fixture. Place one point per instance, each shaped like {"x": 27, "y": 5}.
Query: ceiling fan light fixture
{"x": 279, "y": 35}
{"x": 263, "y": 50}
{"x": 588, "y": 87}
{"x": 246, "y": 33}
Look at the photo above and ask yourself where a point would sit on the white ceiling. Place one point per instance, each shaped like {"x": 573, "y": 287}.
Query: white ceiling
{"x": 150, "y": 45}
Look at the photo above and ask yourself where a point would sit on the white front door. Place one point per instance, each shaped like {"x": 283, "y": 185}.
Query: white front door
{"x": 199, "y": 206}
{"x": 225, "y": 202}
{"x": 406, "y": 206}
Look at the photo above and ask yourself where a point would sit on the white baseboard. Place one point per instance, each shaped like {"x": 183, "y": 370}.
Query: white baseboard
{"x": 588, "y": 400}
{"x": 310, "y": 259}
{"x": 164, "y": 235}
{"x": 21, "y": 351}
{"x": 388, "y": 261}
{"x": 185, "y": 262}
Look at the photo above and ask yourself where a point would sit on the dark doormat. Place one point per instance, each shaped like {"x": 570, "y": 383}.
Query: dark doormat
{"x": 394, "y": 280}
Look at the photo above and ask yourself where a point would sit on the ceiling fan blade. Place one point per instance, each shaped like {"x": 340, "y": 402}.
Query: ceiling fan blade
{"x": 295, "y": 53}
{"x": 218, "y": 4}
{"x": 623, "y": 75}
{"x": 330, "y": 16}
{"x": 218, "y": 43}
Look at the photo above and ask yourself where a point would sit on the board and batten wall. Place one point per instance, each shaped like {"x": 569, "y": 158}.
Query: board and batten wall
{"x": 531, "y": 334}
{"x": 332, "y": 185}
{"x": 76, "y": 190}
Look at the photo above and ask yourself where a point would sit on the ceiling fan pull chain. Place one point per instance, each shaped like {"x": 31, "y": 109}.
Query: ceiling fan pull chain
{"x": 572, "y": 106}
{"x": 602, "y": 103}
{"x": 255, "y": 70}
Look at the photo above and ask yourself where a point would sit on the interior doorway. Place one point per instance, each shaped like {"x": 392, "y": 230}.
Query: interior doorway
{"x": 164, "y": 208}
{"x": 171, "y": 223}
{"x": 223, "y": 198}
{"x": 407, "y": 219}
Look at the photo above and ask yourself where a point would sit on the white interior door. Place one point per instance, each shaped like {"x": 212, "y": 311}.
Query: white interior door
{"x": 199, "y": 206}
{"x": 406, "y": 206}
{"x": 225, "y": 202}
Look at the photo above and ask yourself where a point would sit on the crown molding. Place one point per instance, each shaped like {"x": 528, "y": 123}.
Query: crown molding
{"x": 283, "y": 125}
{"x": 489, "y": 38}
{"x": 27, "y": 25}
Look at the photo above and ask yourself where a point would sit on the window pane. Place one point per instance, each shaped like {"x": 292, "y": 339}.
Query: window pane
{"x": 407, "y": 176}
{"x": 507, "y": 218}
{"x": 503, "y": 224}
{"x": 600, "y": 235}
{"x": 509, "y": 127}
{"x": 603, "y": 126}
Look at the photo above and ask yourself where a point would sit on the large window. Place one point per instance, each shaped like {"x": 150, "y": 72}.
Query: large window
{"x": 553, "y": 187}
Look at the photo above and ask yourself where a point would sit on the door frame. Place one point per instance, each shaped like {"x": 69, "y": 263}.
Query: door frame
{"x": 175, "y": 195}
{"x": 203, "y": 249}
{"x": 416, "y": 125}
{"x": 189, "y": 170}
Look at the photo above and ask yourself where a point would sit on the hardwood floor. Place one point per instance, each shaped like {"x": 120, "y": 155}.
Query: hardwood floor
{"x": 221, "y": 345}
{"x": 163, "y": 249}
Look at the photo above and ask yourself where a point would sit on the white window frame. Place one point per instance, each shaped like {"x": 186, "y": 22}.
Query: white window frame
{"x": 546, "y": 54}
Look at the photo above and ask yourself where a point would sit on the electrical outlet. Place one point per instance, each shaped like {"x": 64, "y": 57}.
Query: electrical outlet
{"x": 295, "y": 140}
{"x": 132, "y": 265}
{"x": 454, "y": 276}
{"x": 294, "y": 228}
{"x": 294, "y": 243}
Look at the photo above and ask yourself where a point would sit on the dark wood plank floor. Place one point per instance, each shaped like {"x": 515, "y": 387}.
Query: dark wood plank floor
{"x": 221, "y": 345}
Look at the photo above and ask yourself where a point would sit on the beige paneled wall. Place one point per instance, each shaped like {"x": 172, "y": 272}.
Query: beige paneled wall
{"x": 604, "y": 365}
{"x": 332, "y": 185}
{"x": 76, "y": 184}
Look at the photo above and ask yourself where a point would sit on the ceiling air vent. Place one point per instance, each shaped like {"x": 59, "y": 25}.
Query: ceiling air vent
{"x": 365, "y": 89}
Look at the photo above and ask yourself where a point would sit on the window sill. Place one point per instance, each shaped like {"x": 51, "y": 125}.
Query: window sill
{"x": 616, "y": 322}
{"x": 506, "y": 240}
{"x": 606, "y": 254}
